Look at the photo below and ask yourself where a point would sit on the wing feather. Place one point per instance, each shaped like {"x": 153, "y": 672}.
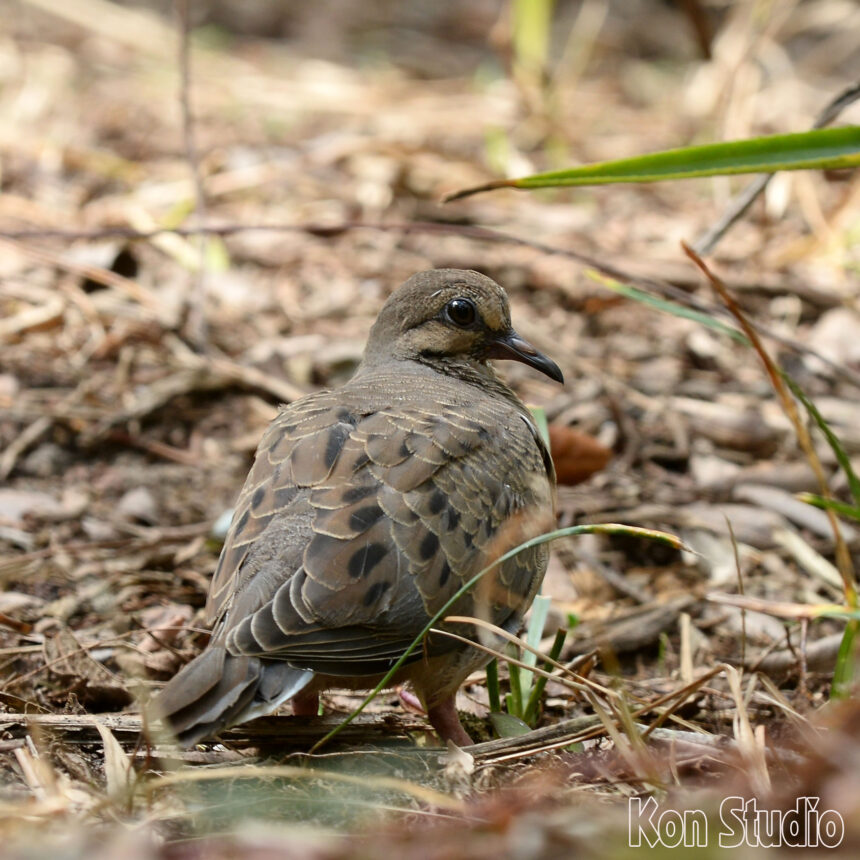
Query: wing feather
{"x": 376, "y": 519}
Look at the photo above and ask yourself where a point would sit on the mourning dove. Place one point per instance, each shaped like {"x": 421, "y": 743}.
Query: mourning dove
{"x": 367, "y": 508}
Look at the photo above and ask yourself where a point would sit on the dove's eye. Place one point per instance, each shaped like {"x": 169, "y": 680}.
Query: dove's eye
{"x": 461, "y": 312}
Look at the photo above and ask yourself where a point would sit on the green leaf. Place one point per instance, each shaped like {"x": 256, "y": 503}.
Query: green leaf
{"x": 509, "y": 726}
{"x": 823, "y": 148}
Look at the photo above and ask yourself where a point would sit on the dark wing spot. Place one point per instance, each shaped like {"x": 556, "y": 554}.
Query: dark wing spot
{"x": 404, "y": 449}
{"x": 356, "y": 494}
{"x": 467, "y": 539}
{"x": 453, "y": 517}
{"x": 365, "y": 559}
{"x": 375, "y": 592}
{"x": 429, "y": 546}
{"x": 343, "y": 414}
{"x": 522, "y": 581}
{"x": 284, "y": 496}
{"x": 407, "y": 516}
{"x": 362, "y": 519}
{"x": 361, "y": 461}
{"x": 336, "y": 437}
{"x": 240, "y": 526}
{"x": 437, "y": 502}
{"x": 446, "y": 573}
{"x": 259, "y": 495}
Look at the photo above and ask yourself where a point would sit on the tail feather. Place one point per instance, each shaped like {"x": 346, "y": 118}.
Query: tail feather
{"x": 193, "y": 681}
{"x": 217, "y": 690}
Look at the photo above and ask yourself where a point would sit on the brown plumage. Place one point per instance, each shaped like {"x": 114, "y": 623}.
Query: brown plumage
{"x": 368, "y": 507}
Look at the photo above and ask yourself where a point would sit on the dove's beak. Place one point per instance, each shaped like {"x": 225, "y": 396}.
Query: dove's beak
{"x": 512, "y": 346}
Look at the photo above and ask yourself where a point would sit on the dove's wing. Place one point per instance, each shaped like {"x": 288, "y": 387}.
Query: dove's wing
{"x": 355, "y": 526}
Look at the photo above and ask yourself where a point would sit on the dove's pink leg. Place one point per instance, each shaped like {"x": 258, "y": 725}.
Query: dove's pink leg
{"x": 306, "y": 705}
{"x": 444, "y": 718}
{"x": 410, "y": 701}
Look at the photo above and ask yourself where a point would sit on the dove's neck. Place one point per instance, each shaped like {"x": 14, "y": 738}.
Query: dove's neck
{"x": 432, "y": 370}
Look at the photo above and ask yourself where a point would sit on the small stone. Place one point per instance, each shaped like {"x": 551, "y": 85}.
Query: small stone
{"x": 138, "y": 505}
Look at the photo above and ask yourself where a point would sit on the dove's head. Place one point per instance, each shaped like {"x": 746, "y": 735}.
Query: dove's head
{"x": 452, "y": 320}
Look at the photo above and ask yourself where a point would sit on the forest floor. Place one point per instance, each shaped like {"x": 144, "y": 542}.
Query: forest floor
{"x": 140, "y": 364}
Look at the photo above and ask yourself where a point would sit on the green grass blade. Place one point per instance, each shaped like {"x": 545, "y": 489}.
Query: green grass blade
{"x": 537, "y": 622}
{"x": 539, "y": 415}
{"x": 850, "y": 512}
{"x": 532, "y": 20}
{"x": 515, "y": 702}
{"x": 667, "y": 306}
{"x": 493, "y": 686}
{"x": 832, "y": 439}
{"x": 531, "y": 711}
{"x": 598, "y": 528}
{"x": 843, "y": 674}
{"x": 823, "y": 148}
